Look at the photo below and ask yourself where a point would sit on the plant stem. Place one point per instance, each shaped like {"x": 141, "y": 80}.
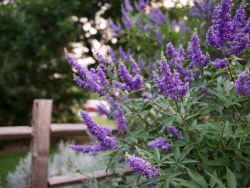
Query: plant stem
{"x": 229, "y": 140}
{"x": 235, "y": 126}
{"x": 217, "y": 147}
{"x": 144, "y": 120}
{"x": 179, "y": 110}
{"x": 229, "y": 69}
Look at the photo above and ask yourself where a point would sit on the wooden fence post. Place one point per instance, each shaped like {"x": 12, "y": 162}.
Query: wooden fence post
{"x": 41, "y": 120}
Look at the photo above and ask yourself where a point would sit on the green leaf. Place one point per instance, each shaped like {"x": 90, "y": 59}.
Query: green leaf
{"x": 215, "y": 179}
{"x": 193, "y": 115}
{"x": 177, "y": 153}
{"x": 165, "y": 184}
{"x": 166, "y": 157}
{"x": 157, "y": 155}
{"x": 169, "y": 162}
{"x": 148, "y": 85}
{"x": 231, "y": 180}
{"x": 212, "y": 183}
{"x": 186, "y": 152}
{"x": 216, "y": 162}
{"x": 185, "y": 183}
{"x": 189, "y": 161}
{"x": 197, "y": 178}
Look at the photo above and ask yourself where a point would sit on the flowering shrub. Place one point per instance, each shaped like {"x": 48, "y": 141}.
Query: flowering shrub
{"x": 186, "y": 122}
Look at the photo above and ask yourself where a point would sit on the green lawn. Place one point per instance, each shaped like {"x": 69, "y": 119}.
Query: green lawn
{"x": 8, "y": 162}
{"x": 103, "y": 121}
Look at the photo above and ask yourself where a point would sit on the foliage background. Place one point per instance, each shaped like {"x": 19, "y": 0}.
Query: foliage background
{"x": 33, "y": 35}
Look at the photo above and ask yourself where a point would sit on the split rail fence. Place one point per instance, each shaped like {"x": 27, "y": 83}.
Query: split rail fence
{"x": 40, "y": 131}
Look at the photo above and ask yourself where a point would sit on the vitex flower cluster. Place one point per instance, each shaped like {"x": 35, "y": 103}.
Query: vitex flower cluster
{"x": 203, "y": 8}
{"x": 105, "y": 140}
{"x": 153, "y": 19}
{"x": 93, "y": 79}
{"x": 160, "y": 143}
{"x": 229, "y": 34}
{"x": 198, "y": 59}
{"x": 174, "y": 132}
{"x": 142, "y": 166}
{"x": 170, "y": 84}
{"x": 242, "y": 84}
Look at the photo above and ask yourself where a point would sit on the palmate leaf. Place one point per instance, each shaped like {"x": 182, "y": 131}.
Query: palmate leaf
{"x": 221, "y": 96}
{"x": 165, "y": 157}
{"x": 197, "y": 178}
{"x": 186, "y": 152}
{"x": 165, "y": 184}
{"x": 215, "y": 180}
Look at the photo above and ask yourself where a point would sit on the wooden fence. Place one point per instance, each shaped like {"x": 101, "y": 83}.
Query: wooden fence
{"x": 40, "y": 132}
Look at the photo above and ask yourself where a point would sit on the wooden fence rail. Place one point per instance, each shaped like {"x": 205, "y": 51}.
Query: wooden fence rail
{"x": 40, "y": 132}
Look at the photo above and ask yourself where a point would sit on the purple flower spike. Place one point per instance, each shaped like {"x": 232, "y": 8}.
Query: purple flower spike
{"x": 220, "y": 30}
{"x": 169, "y": 84}
{"x": 220, "y": 63}
{"x": 183, "y": 26}
{"x": 159, "y": 38}
{"x": 203, "y": 9}
{"x": 141, "y": 4}
{"x": 90, "y": 149}
{"x": 174, "y": 132}
{"x": 196, "y": 56}
{"x": 135, "y": 67}
{"x": 101, "y": 76}
{"x": 157, "y": 16}
{"x": 126, "y": 19}
{"x": 242, "y": 84}
{"x": 91, "y": 83}
{"x": 240, "y": 17}
{"x": 109, "y": 142}
{"x": 212, "y": 38}
{"x": 247, "y": 28}
{"x": 74, "y": 64}
{"x": 127, "y": 6}
{"x": 170, "y": 51}
{"x": 121, "y": 120}
{"x": 94, "y": 129}
{"x": 230, "y": 35}
{"x": 103, "y": 110}
{"x": 124, "y": 74}
{"x": 120, "y": 85}
{"x": 133, "y": 83}
{"x": 116, "y": 28}
{"x": 124, "y": 55}
{"x": 177, "y": 57}
{"x": 136, "y": 83}
{"x": 160, "y": 143}
{"x": 94, "y": 80}
{"x": 103, "y": 135}
{"x": 238, "y": 45}
{"x": 112, "y": 55}
{"x": 142, "y": 167}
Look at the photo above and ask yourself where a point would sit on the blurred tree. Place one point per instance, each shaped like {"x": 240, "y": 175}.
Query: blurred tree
{"x": 33, "y": 35}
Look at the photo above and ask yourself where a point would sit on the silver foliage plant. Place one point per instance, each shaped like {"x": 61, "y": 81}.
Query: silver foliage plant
{"x": 65, "y": 161}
